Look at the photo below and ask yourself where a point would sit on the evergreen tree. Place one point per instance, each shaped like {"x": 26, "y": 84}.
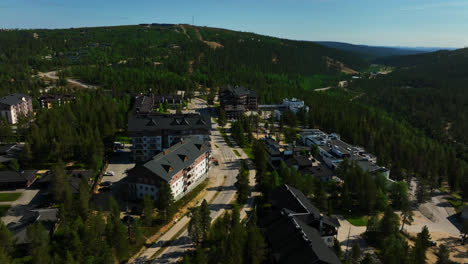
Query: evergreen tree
{"x": 355, "y": 253}
{"x": 84, "y": 198}
{"x": 395, "y": 250}
{"x": 148, "y": 210}
{"x": 389, "y": 223}
{"x": 242, "y": 185}
{"x": 195, "y": 229}
{"x": 165, "y": 202}
{"x": 443, "y": 255}
{"x": 39, "y": 243}
{"x": 399, "y": 194}
{"x": 255, "y": 246}
{"x": 6, "y": 242}
{"x": 59, "y": 180}
{"x": 222, "y": 120}
{"x": 424, "y": 237}
{"x": 406, "y": 213}
{"x": 422, "y": 191}
{"x": 205, "y": 216}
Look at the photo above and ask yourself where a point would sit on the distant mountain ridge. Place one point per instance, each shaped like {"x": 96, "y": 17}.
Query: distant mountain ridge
{"x": 374, "y": 52}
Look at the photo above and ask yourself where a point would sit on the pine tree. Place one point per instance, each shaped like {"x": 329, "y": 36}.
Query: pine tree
{"x": 195, "y": 229}
{"x": 242, "y": 185}
{"x": 165, "y": 202}
{"x": 355, "y": 253}
{"x": 389, "y": 223}
{"x": 6, "y": 241}
{"x": 205, "y": 215}
{"x": 422, "y": 191}
{"x": 59, "y": 180}
{"x": 39, "y": 243}
{"x": 84, "y": 198}
{"x": 148, "y": 211}
{"x": 443, "y": 255}
{"x": 255, "y": 246}
{"x": 222, "y": 120}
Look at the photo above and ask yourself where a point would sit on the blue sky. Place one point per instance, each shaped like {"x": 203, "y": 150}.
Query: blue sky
{"x": 428, "y": 23}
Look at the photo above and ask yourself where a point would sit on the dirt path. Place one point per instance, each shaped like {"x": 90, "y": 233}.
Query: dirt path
{"x": 53, "y": 75}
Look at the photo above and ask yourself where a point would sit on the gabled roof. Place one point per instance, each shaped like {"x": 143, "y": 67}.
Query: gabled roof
{"x": 293, "y": 241}
{"x": 13, "y": 99}
{"x": 238, "y": 91}
{"x": 166, "y": 164}
{"x": 14, "y": 176}
{"x": 157, "y": 123}
{"x": 47, "y": 217}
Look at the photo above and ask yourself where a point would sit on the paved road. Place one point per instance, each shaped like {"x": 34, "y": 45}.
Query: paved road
{"x": 223, "y": 178}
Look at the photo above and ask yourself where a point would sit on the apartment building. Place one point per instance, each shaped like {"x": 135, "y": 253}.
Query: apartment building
{"x": 296, "y": 231}
{"x": 15, "y": 105}
{"x": 49, "y": 100}
{"x": 183, "y": 166}
{"x": 153, "y": 133}
{"x": 236, "y": 100}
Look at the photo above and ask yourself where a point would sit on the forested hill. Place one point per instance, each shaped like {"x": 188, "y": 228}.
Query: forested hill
{"x": 428, "y": 89}
{"x": 164, "y": 58}
{"x": 437, "y": 60}
{"x": 371, "y": 52}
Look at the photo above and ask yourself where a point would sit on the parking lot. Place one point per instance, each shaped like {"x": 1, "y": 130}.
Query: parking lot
{"x": 119, "y": 163}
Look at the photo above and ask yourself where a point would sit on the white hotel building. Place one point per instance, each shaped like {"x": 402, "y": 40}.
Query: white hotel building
{"x": 183, "y": 166}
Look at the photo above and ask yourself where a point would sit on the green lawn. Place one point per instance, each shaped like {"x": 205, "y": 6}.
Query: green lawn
{"x": 228, "y": 142}
{"x": 9, "y": 197}
{"x": 357, "y": 221}
{"x": 236, "y": 152}
{"x": 456, "y": 203}
{"x": 4, "y": 209}
{"x": 249, "y": 152}
{"x": 312, "y": 82}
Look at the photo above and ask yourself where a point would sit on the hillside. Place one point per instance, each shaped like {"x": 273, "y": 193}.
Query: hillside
{"x": 165, "y": 58}
{"x": 427, "y": 89}
{"x": 371, "y": 52}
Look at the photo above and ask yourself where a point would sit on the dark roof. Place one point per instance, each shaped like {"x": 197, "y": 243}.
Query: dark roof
{"x": 74, "y": 179}
{"x": 47, "y": 217}
{"x": 4, "y": 148}
{"x": 146, "y": 103}
{"x": 239, "y": 91}
{"x": 158, "y": 123}
{"x": 321, "y": 171}
{"x": 166, "y": 164}
{"x": 293, "y": 241}
{"x": 13, "y": 99}
{"x": 291, "y": 198}
{"x": 14, "y": 176}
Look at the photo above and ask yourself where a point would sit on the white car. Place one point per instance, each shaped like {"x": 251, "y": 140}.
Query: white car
{"x": 109, "y": 173}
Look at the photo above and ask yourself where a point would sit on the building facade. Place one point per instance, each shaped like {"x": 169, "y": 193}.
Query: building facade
{"x": 153, "y": 133}
{"x": 183, "y": 166}
{"x": 236, "y": 100}
{"x": 48, "y": 101}
{"x": 15, "y": 105}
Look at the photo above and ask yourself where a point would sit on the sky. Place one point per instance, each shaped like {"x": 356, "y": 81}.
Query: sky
{"x": 410, "y": 23}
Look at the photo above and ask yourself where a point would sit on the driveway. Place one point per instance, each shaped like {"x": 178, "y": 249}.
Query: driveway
{"x": 29, "y": 199}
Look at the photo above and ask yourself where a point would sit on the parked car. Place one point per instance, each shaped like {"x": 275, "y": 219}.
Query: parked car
{"x": 109, "y": 173}
{"x": 106, "y": 184}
